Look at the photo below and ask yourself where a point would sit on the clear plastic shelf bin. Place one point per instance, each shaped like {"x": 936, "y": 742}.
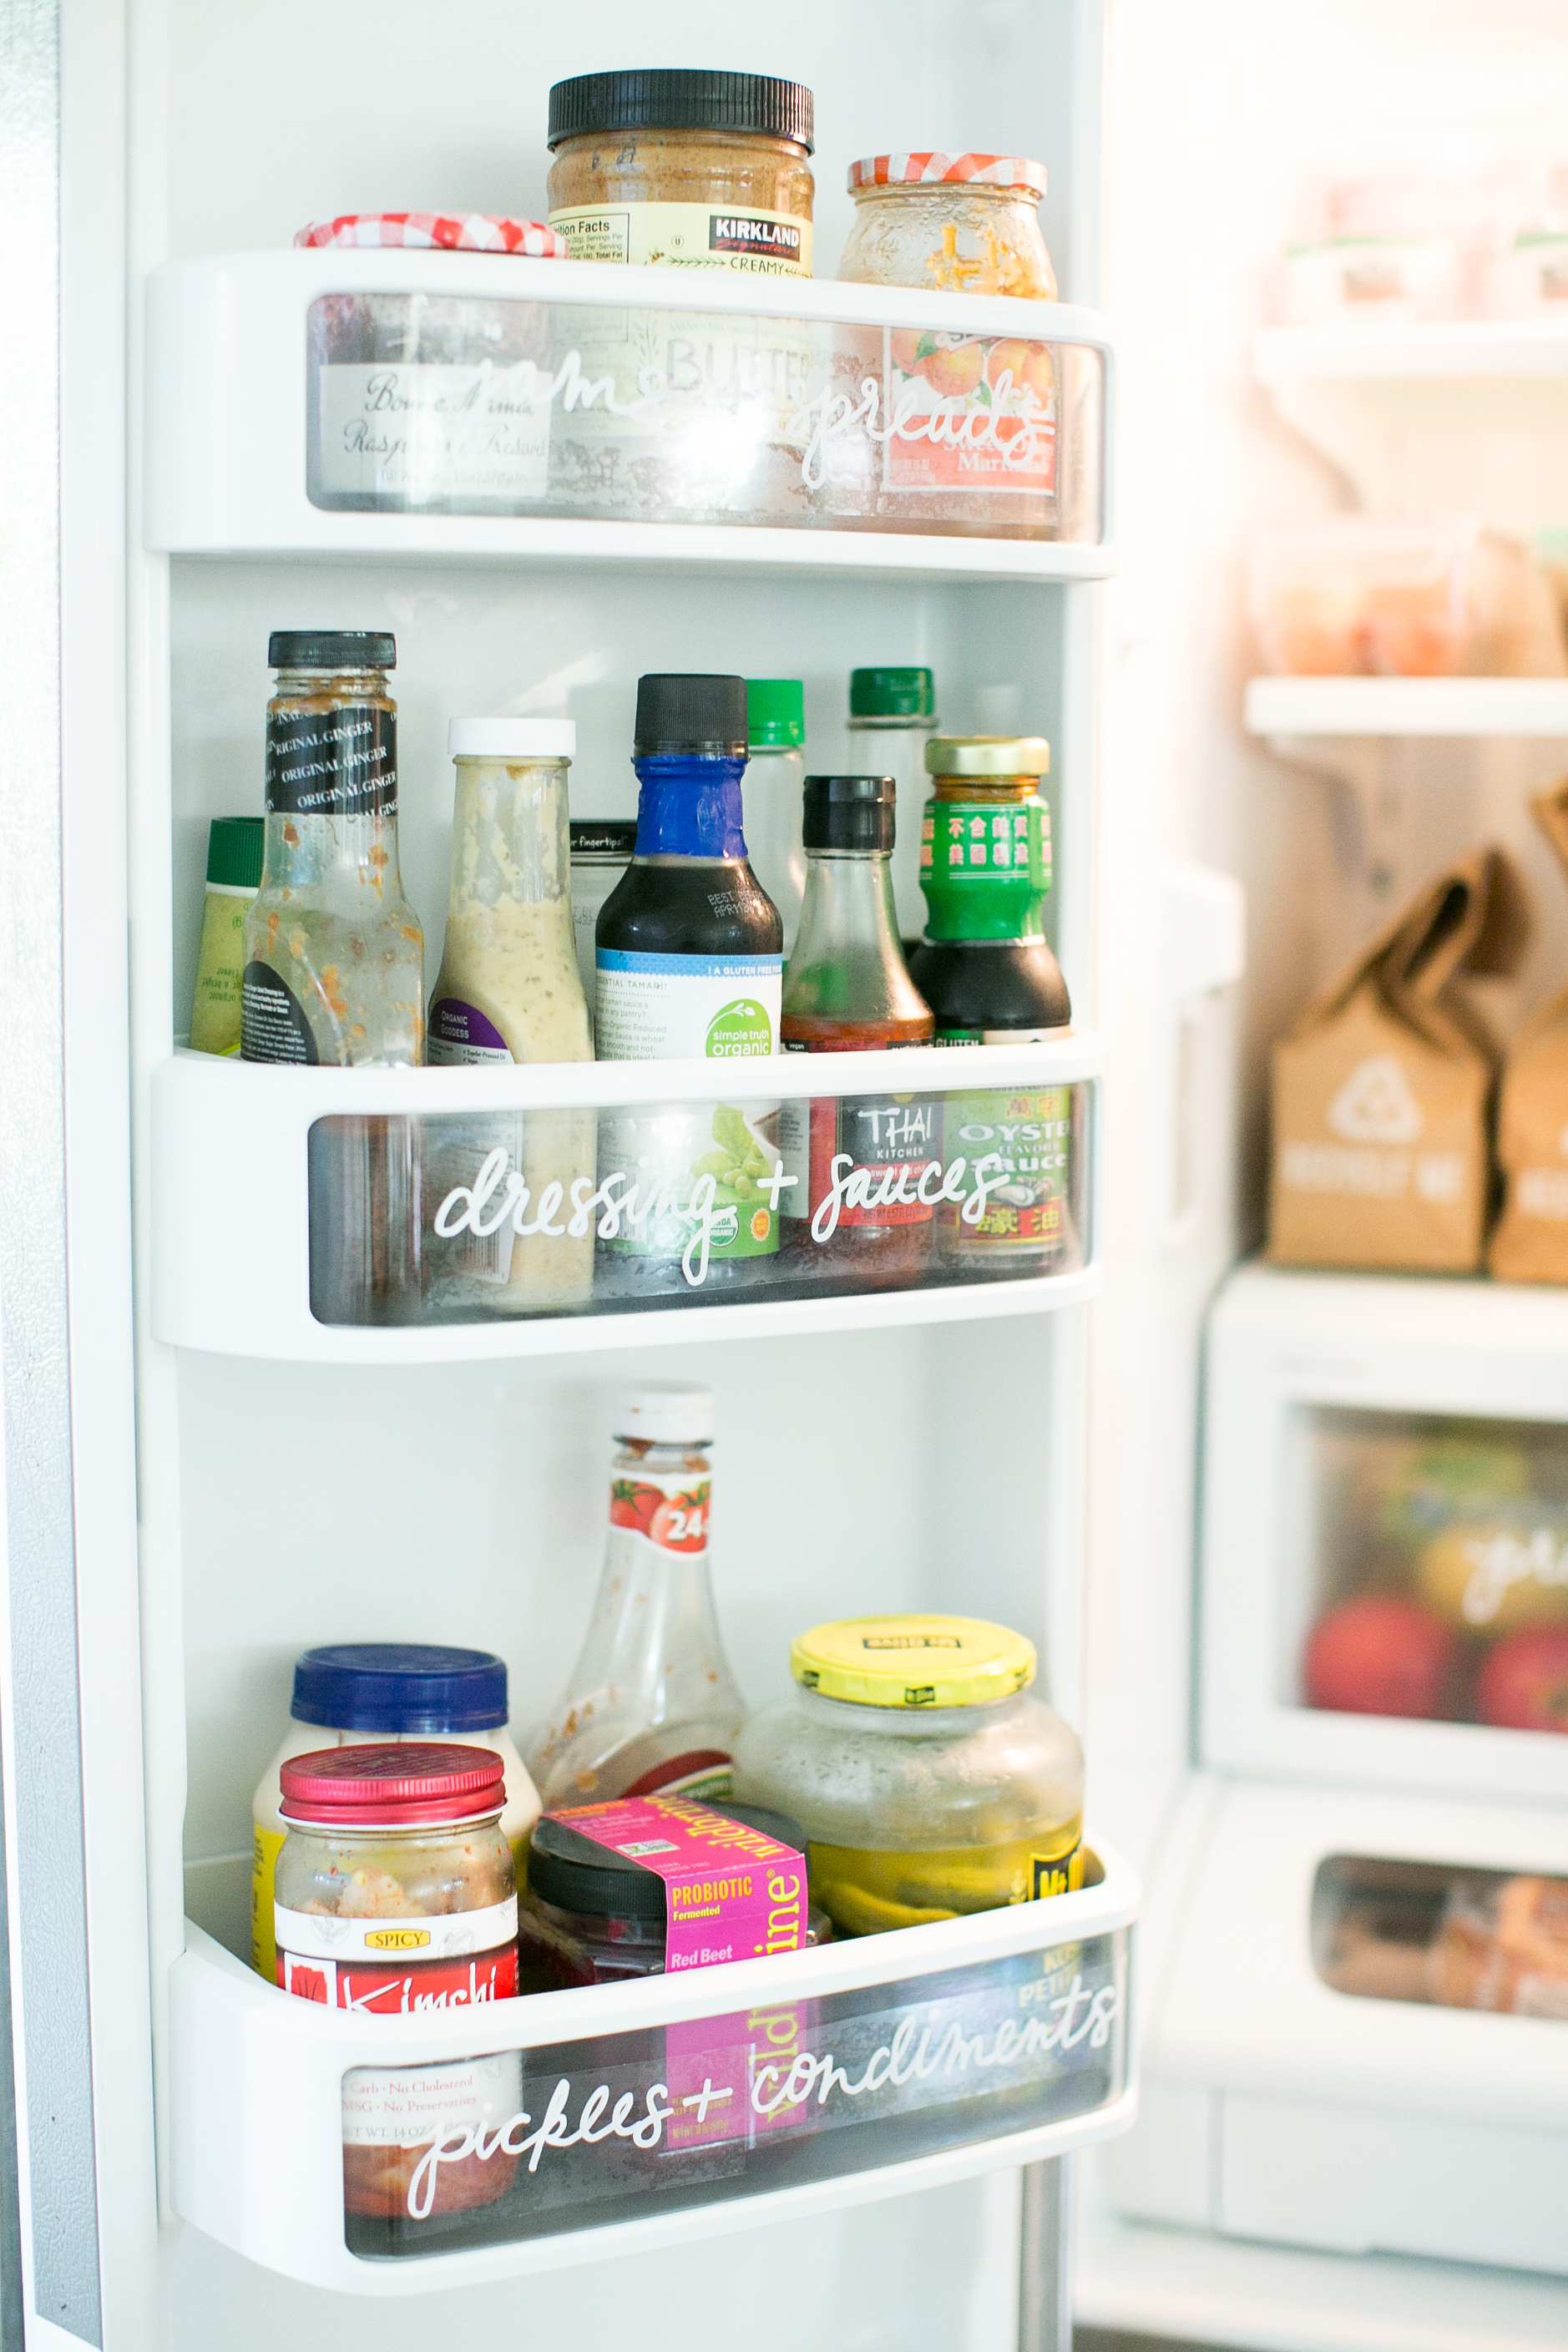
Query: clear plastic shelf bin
{"x": 292, "y": 395}
{"x": 375, "y": 2152}
{"x": 466, "y": 1210}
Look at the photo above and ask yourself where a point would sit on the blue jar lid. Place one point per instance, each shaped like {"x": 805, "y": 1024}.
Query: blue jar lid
{"x": 399, "y": 1686}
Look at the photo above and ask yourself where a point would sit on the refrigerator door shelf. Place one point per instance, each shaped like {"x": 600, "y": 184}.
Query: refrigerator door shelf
{"x": 638, "y": 2115}
{"x": 452, "y": 403}
{"x": 1277, "y": 2107}
{"x": 1383, "y": 1445}
{"x": 362, "y": 1217}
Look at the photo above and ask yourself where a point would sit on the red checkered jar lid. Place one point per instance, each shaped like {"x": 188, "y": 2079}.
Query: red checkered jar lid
{"x": 453, "y": 233}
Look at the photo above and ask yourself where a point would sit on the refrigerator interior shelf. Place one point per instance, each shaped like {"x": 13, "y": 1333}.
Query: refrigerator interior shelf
{"x": 1417, "y": 351}
{"x": 455, "y": 404}
{"x": 1286, "y": 707}
{"x": 425, "y": 1216}
{"x": 847, "y": 2072}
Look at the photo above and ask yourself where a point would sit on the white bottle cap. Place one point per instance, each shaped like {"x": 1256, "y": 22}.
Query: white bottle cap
{"x": 666, "y": 1413}
{"x": 511, "y": 738}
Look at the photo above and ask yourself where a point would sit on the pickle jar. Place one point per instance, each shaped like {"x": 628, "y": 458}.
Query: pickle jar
{"x": 396, "y": 1894}
{"x": 971, "y": 420}
{"x": 929, "y": 1782}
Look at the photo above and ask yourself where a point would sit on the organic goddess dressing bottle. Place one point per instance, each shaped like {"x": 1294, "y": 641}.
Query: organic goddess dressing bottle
{"x": 509, "y": 991}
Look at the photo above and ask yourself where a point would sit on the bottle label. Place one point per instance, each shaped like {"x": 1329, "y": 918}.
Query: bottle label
{"x": 690, "y": 1184}
{"x": 384, "y": 1968}
{"x": 952, "y": 1034}
{"x": 1020, "y": 1146}
{"x": 667, "y": 1509}
{"x": 746, "y": 241}
{"x": 657, "y": 1008}
{"x": 337, "y": 762}
{"x": 215, "y": 1009}
{"x": 700, "y": 1772}
{"x": 977, "y": 856}
{"x": 414, "y": 2106}
{"x": 459, "y": 1034}
{"x": 969, "y": 413}
{"x": 428, "y": 434}
{"x": 861, "y": 1161}
{"x": 1056, "y": 1873}
{"x": 272, "y": 1026}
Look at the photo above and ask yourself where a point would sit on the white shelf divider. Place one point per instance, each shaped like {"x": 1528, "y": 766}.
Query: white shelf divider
{"x": 1284, "y": 707}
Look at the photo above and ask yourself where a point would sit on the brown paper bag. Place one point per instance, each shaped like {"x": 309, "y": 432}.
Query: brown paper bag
{"x": 1383, "y": 1090}
{"x": 1531, "y": 1243}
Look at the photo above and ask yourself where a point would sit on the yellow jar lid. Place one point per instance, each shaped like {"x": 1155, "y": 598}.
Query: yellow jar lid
{"x": 990, "y": 756}
{"x": 913, "y": 1661}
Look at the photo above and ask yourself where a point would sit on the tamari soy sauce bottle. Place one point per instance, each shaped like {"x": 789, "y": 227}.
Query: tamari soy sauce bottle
{"x": 986, "y": 970}
{"x": 690, "y": 966}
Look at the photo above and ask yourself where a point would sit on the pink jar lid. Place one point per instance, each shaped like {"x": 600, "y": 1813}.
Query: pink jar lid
{"x": 982, "y": 170}
{"x": 406, "y": 1784}
{"x": 457, "y": 233}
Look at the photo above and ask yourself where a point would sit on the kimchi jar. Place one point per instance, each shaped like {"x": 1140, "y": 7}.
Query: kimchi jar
{"x": 396, "y": 1894}
{"x": 970, "y": 420}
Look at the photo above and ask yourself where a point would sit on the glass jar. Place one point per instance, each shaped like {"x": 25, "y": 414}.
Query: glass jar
{"x": 971, "y": 420}
{"x": 601, "y": 852}
{"x": 380, "y": 1835}
{"x": 928, "y": 1783}
{"x": 430, "y": 403}
{"x": 700, "y": 417}
{"x": 586, "y": 1921}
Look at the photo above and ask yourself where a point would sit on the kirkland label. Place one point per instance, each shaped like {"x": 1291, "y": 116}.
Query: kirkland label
{"x": 690, "y": 237}
{"x": 338, "y": 762}
{"x": 272, "y": 1026}
{"x": 660, "y": 1008}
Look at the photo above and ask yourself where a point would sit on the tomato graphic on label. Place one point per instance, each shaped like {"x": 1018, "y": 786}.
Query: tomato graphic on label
{"x": 680, "y": 1523}
{"x": 633, "y": 1504}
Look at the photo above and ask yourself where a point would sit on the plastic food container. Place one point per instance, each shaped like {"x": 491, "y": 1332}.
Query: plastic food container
{"x": 1373, "y": 281}
{"x": 1354, "y": 595}
{"x": 1422, "y": 1931}
{"x": 586, "y": 1921}
{"x": 396, "y": 1890}
{"x": 930, "y": 1784}
{"x": 429, "y": 401}
{"x": 358, "y": 1694}
{"x": 971, "y": 420}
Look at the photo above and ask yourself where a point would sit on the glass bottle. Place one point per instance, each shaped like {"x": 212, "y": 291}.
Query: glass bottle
{"x": 848, "y": 990}
{"x": 650, "y": 1704}
{"x": 334, "y": 956}
{"x": 775, "y": 779}
{"x": 690, "y": 965}
{"x": 892, "y": 717}
{"x": 509, "y": 992}
{"x": 334, "y": 968}
{"x": 234, "y": 877}
{"x": 987, "y": 971}
{"x": 601, "y": 852}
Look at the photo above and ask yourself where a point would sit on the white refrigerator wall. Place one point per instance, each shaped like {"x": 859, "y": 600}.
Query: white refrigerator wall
{"x": 281, "y": 1505}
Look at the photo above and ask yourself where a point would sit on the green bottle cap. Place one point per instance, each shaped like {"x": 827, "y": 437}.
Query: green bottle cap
{"x": 234, "y": 852}
{"x": 775, "y": 713}
{"x": 892, "y": 694}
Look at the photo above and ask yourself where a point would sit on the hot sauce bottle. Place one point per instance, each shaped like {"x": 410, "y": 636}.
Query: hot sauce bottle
{"x": 857, "y": 1162}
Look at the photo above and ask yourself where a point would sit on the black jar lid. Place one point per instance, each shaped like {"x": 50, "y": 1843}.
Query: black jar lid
{"x": 849, "y": 813}
{"x": 568, "y": 1870}
{"x": 695, "y": 714}
{"x": 342, "y": 649}
{"x": 679, "y": 97}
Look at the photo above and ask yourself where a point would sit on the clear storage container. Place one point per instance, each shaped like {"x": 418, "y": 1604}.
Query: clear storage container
{"x": 1354, "y": 595}
{"x": 928, "y": 1784}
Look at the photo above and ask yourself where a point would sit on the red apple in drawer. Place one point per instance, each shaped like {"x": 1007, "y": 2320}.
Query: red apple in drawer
{"x": 1380, "y": 1655}
{"x": 1523, "y": 1686}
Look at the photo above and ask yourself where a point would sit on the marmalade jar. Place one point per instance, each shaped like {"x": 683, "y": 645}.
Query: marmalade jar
{"x": 396, "y": 1894}
{"x": 968, "y": 424}
{"x": 927, "y": 1782}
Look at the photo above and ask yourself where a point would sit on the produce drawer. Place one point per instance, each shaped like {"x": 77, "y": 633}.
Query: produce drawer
{"x": 416, "y": 1215}
{"x": 618, "y": 2115}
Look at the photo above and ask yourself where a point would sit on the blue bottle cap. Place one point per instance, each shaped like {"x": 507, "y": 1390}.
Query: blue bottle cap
{"x": 399, "y": 1686}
